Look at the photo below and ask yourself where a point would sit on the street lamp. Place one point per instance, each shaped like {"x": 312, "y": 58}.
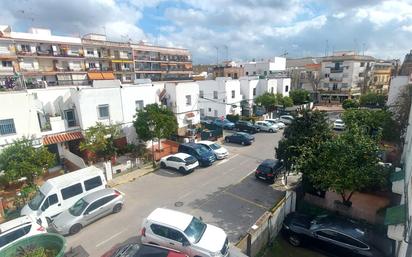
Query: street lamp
{"x": 151, "y": 128}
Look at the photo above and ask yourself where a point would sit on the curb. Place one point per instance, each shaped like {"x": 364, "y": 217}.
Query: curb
{"x": 132, "y": 178}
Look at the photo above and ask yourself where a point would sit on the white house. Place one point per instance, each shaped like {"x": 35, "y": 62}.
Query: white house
{"x": 251, "y": 87}
{"x": 264, "y": 68}
{"x": 183, "y": 99}
{"x": 219, "y": 97}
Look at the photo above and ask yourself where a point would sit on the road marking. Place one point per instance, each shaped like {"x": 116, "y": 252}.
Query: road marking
{"x": 247, "y": 175}
{"x": 246, "y": 200}
{"x": 110, "y": 238}
{"x": 168, "y": 172}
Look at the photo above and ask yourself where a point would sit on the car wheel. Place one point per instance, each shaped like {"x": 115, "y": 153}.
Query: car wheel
{"x": 75, "y": 229}
{"x": 271, "y": 130}
{"x": 227, "y": 140}
{"x": 162, "y": 165}
{"x": 243, "y": 143}
{"x": 294, "y": 240}
{"x": 117, "y": 208}
{"x": 182, "y": 170}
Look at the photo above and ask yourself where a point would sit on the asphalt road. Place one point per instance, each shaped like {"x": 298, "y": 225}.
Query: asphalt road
{"x": 223, "y": 194}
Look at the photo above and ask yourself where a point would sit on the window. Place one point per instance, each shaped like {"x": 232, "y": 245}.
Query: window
{"x": 159, "y": 230}
{"x": 326, "y": 75}
{"x": 271, "y": 90}
{"x": 71, "y": 120}
{"x": 235, "y": 76}
{"x": 286, "y": 88}
{"x": 90, "y": 52}
{"x": 362, "y": 64}
{"x": 51, "y": 200}
{"x": 14, "y": 235}
{"x": 214, "y": 94}
{"x": 176, "y": 236}
{"x": 233, "y": 93}
{"x": 329, "y": 234}
{"x": 201, "y": 94}
{"x": 92, "y": 65}
{"x": 265, "y": 73}
{"x": 209, "y": 109}
{"x": 6, "y": 64}
{"x": 188, "y": 100}
{"x": 7, "y": 127}
{"x": 26, "y": 48}
{"x": 254, "y": 91}
{"x": 215, "y": 113}
{"x": 139, "y": 105}
{"x": 247, "y": 73}
{"x": 254, "y": 73}
{"x": 103, "y": 112}
{"x": 335, "y": 86}
{"x": 202, "y": 112}
{"x": 92, "y": 183}
{"x": 71, "y": 191}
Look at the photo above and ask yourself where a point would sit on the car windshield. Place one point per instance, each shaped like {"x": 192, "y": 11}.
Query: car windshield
{"x": 215, "y": 146}
{"x": 128, "y": 250}
{"x": 34, "y": 204}
{"x": 339, "y": 121}
{"x": 264, "y": 169}
{"x": 78, "y": 207}
{"x": 190, "y": 159}
{"x": 202, "y": 150}
{"x": 195, "y": 230}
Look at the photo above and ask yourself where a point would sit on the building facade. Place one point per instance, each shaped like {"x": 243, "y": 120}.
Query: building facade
{"x": 39, "y": 59}
{"x": 406, "y": 68}
{"x": 381, "y": 75}
{"x": 263, "y": 68}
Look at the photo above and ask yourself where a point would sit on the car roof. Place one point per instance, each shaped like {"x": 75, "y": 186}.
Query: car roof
{"x": 338, "y": 120}
{"x": 98, "y": 194}
{"x": 289, "y": 116}
{"x": 171, "y": 218}
{"x": 15, "y": 223}
{"x": 241, "y": 133}
{"x": 270, "y": 162}
{"x": 343, "y": 225}
{"x": 191, "y": 145}
{"x": 181, "y": 155}
{"x": 68, "y": 178}
{"x": 206, "y": 142}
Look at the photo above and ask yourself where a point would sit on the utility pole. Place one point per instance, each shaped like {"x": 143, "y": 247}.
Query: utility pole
{"x": 327, "y": 48}
{"x": 217, "y": 55}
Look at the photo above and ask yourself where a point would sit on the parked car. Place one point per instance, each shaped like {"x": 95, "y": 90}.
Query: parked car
{"x": 338, "y": 124}
{"x": 204, "y": 155}
{"x": 225, "y": 123}
{"x": 266, "y": 126}
{"x": 60, "y": 193}
{"x": 333, "y": 234}
{"x": 144, "y": 250}
{"x": 276, "y": 121}
{"x": 220, "y": 151}
{"x": 87, "y": 210}
{"x": 269, "y": 170}
{"x": 240, "y": 138}
{"x": 182, "y": 162}
{"x": 286, "y": 119}
{"x": 20, "y": 228}
{"x": 246, "y": 126}
{"x": 184, "y": 233}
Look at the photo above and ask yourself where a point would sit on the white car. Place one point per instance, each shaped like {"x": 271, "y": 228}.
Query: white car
{"x": 182, "y": 162}
{"x": 267, "y": 126}
{"x": 20, "y": 228}
{"x": 287, "y": 119}
{"x": 184, "y": 233}
{"x": 338, "y": 124}
{"x": 276, "y": 121}
{"x": 219, "y": 150}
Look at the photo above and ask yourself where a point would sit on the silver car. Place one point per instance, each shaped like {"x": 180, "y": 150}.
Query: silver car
{"x": 87, "y": 210}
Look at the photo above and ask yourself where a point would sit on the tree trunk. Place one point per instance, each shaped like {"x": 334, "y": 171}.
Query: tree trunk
{"x": 346, "y": 200}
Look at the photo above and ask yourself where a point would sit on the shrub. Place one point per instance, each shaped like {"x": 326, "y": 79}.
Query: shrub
{"x": 232, "y": 118}
{"x": 350, "y": 104}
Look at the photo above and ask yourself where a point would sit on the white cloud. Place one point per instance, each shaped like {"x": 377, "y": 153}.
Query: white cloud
{"x": 289, "y": 31}
{"x": 388, "y": 11}
{"x": 407, "y": 28}
{"x": 339, "y": 15}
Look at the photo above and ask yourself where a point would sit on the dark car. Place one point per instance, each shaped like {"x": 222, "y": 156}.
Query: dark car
{"x": 225, "y": 123}
{"x": 269, "y": 170}
{"x": 204, "y": 155}
{"x": 246, "y": 126}
{"x": 240, "y": 138}
{"x": 134, "y": 250}
{"x": 333, "y": 234}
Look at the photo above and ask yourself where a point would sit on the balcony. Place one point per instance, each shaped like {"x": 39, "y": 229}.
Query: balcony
{"x": 44, "y": 52}
{"x": 333, "y": 70}
{"x": 26, "y": 53}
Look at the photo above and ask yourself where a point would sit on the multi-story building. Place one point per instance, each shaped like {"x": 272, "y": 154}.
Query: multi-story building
{"x": 39, "y": 59}
{"x": 161, "y": 63}
{"x": 219, "y": 97}
{"x": 381, "y": 74}
{"x": 344, "y": 75}
{"x": 406, "y": 67}
{"x": 229, "y": 69}
{"x": 263, "y": 68}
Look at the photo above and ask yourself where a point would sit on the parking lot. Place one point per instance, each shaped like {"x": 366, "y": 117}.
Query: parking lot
{"x": 225, "y": 194}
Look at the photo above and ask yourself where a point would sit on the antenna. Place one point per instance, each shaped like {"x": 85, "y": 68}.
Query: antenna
{"x": 363, "y": 48}
{"x": 227, "y": 52}
{"x": 327, "y": 48}
{"x": 217, "y": 55}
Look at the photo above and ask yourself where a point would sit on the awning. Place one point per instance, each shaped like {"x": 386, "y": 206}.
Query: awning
{"x": 190, "y": 115}
{"x": 395, "y": 215}
{"x": 62, "y": 137}
{"x": 100, "y": 75}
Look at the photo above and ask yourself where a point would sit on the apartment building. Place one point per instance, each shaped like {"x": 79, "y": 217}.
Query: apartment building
{"x": 381, "y": 74}
{"x": 39, "y": 59}
{"x": 263, "y": 68}
{"x": 219, "y": 97}
{"x": 406, "y": 68}
{"x": 344, "y": 75}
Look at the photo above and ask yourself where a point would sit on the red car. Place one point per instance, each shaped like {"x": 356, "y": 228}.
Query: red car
{"x": 135, "y": 250}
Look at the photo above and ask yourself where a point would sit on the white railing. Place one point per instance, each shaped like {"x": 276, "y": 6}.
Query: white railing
{"x": 76, "y": 160}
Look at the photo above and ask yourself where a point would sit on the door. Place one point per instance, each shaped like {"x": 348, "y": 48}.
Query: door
{"x": 176, "y": 240}
{"x": 329, "y": 241}
{"x": 237, "y": 138}
{"x": 96, "y": 210}
{"x": 70, "y": 117}
{"x": 52, "y": 205}
{"x": 172, "y": 162}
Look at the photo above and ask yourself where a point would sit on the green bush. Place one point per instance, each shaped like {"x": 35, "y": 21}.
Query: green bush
{"x": 350, "y": 104}
{"x": 232, "y": 118}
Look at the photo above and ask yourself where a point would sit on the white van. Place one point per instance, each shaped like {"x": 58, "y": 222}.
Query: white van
{"x": 60, "y": 193}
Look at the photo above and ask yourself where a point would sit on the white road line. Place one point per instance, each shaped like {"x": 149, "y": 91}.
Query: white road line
{"x": 168, "y": 172}
{"x": 246, "y": 176}
{"x": 110, "y": 238}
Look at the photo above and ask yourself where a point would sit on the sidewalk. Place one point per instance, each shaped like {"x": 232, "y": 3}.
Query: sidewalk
{"x": 130, "y": 176}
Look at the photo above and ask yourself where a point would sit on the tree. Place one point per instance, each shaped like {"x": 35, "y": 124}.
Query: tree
{"x": 372, "y": 100}
{"x": 285, "y": 101}
{"x": 21, "y": 159}
{"x": 402, "y": 109}
{"x": 161, "y": 118}
{"x": 344, "y": 164}
{"x": 300, "y": 96}
{"x": 99, "y": 139}
{"x": 308, "y": 130}
{"x": 314, "y": 79}
{"x": 267, "y": 100}
{"x": 350, "y": 104}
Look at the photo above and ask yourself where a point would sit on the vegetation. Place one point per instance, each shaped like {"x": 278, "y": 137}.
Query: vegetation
{"x": 285, "y": 101}
{"x": 350, "y": 104}
{"x": 162, "y": 120}
{"x": 21, "y": 159}
{"x": 99, "y": 139}
{"x": 344, "y": 164}
{"x": 34, "y": 251}
{"x": 372, "y": 100}
{"x": 269, "y": 101}
{"x": 300, "y": 96}
{"x": 401, "y": 110}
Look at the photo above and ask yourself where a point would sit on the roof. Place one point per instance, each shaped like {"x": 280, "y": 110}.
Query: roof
{"x": 14, "y": 223}
{"x": 269, "y": 162}
{"x": 396, "y": 176}
{"x": 62, "y": 137}
{"x": 206, "y": 142}
{"x": 98, "y": 194}
{"x": 181, "y": 155}
{"x": 74, "y": 176}
{"x": 395, "y": 215}
{"x": 171, "y": 218}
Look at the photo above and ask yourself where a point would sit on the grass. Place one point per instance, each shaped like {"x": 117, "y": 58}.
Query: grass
{"x": 281, "y": 248}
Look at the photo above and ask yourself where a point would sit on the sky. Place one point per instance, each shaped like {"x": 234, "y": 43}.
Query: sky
{"x": 216, "y": 30}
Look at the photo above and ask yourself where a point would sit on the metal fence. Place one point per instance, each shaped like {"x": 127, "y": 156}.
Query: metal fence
{"x": 267, "y": 227}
